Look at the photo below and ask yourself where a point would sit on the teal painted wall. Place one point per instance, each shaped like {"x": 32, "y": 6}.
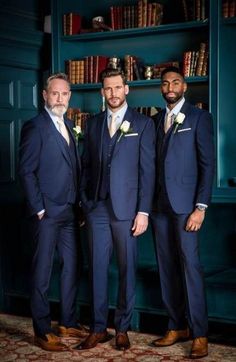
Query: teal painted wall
{"x": 22, "y": 62}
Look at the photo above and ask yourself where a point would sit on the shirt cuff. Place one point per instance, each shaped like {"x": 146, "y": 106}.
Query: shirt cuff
{"x": 41, "y": 212}
{"x": 200, "y": 204}
{"x": 143, "y": 213}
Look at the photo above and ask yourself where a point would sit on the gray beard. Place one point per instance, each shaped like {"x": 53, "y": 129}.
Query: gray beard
{"x": 58, "y": 111}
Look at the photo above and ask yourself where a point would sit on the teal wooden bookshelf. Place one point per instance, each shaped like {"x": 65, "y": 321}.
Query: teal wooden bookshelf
{"x": 166, "y": 42}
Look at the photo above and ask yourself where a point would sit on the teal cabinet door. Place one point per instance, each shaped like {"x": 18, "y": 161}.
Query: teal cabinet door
{"x": 18, "y": 102}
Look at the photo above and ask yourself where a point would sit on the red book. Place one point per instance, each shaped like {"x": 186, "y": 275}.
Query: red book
{"x": 73, "y": 23}
{"x": 186, "y": 63}
{"x": 101, "y": 62}
{"x": 112, "y": 13}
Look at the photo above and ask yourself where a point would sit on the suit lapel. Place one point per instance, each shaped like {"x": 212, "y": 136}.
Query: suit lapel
{"x": 99, "y": 134}
{"x": 186, "y": 110}
{"x": 160, "y": 121}
{"x": 60, "y": 142}
{"x": 127, "y": 117}
{"x": 72, "y": 138}
{"x": 100, "y": 127}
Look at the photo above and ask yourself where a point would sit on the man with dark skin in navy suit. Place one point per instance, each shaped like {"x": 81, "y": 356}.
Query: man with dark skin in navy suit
{"x": 184, "y": 176}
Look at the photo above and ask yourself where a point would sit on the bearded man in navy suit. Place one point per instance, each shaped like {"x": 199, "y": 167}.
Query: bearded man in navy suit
{"x": 185, "y": 170}
{"x": 116, "y": 193}
{"x": 49, "y": 168}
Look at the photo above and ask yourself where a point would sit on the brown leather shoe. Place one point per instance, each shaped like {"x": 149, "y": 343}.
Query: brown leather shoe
{"x": 171, "y": 337}
{"x": 93, "y": 339}
{"x": 199, "y": 347}
{"x": 50, "y": 343}
{"x": 79, "y": 332}
{"x": 122, "y": 341}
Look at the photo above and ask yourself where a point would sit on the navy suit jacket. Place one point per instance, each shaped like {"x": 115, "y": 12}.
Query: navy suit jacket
{"x": 44, "y": 166}
{"x": 132, "y": 171}
{"x": 189, "y": 160}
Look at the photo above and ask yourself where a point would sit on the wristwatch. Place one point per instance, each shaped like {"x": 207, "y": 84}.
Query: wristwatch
{"x": 201, "y": 207}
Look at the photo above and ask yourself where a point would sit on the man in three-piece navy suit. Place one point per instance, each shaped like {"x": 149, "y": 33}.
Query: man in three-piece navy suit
{"x": 49, "y": 168}
{"x": 184, "y": 176}
{"x": 116, "y": 193}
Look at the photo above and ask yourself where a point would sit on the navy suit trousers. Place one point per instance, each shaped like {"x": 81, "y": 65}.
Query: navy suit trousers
{"x": 105, "y": 232}
{"x": 52, "y": 234}
{"x": 180, "y": 272}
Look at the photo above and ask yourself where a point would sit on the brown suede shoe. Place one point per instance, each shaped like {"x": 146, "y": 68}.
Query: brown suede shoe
{"x": 122, "y": 341}
{"x": 50, "y": 343}
{"x": 93, "y": 339}
{"x": 199, "y": 347}
{"x": 171, "y": 337}
{"x": 79, "y": 332}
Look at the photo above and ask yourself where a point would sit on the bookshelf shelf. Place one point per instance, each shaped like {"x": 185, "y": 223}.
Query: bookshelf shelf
{"x": 229, "y": 21}
{"x": 137, "y": 83}
{"x": 134, "y": 32}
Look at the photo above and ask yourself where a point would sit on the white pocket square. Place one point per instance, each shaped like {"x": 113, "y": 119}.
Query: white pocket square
{"x": 131, "y": 134}
{"x": 184, "y": 129}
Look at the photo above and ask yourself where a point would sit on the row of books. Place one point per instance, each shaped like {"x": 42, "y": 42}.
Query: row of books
{"x": 135, "y": 69}
{"x": 141, "y": 15}
{"x": 195, "y": 9}
{"x": 195, "y": 63}
{"x": 78, "y": 117}
{"x": 228, "y": 8}
{"x": 86, "y": 70}
{"x": 144, "y": 14}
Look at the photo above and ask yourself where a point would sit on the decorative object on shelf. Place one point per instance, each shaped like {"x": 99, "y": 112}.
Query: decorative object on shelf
{"x": 148, "y": 72}
{"x": 114, "y": 63}
{"x": 96, "y": 21}
{"x": 98, "y": 24}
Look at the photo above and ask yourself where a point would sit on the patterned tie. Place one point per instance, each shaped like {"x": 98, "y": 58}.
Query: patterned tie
{"x": 63, "y": 131}
{"x": 112, "y": 126}
{"x": 168, "y": 121}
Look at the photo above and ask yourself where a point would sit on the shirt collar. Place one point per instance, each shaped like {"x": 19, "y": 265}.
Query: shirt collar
{"x": 176, "y": 108}
{"x": 119, "y": 114}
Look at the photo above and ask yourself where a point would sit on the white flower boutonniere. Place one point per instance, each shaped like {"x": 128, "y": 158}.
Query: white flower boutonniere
{"x": 179, "y": 119}
{"x": 124, "y": 129}
{"x": 77, "y": 132}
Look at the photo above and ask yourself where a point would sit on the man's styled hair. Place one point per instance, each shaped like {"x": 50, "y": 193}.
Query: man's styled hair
{"x": 172, "y": 69}
{"x": 111, "y": 72}
{"x": 62, "y": 76}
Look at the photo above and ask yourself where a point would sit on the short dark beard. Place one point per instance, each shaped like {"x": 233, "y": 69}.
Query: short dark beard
{"x": 119, "y": 106}
{"x": 172, "y": 100}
